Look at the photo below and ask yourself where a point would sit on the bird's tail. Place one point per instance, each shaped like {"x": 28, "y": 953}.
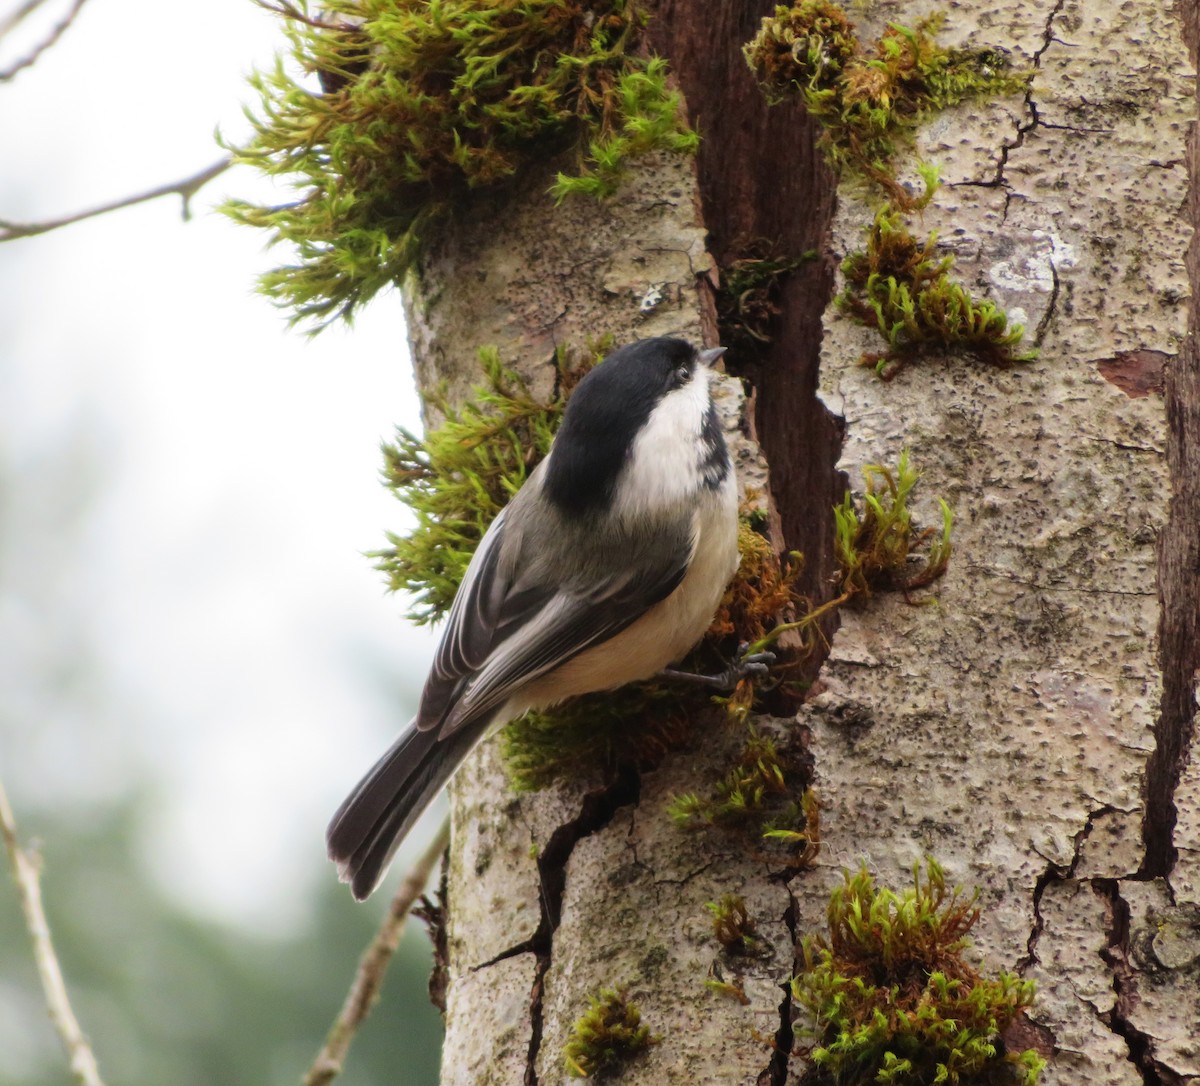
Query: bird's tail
{"x": 370, "y": 824}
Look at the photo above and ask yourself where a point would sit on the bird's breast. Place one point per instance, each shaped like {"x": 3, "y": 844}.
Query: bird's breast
{"x": 666, "y": 632}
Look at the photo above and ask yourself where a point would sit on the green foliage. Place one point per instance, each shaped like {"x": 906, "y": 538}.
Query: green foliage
{"x": 892, "y": 998}
{"x": 458, "y": 477}
{"x": 732, "y": 925}
{"x": 608, "y": 1035}
{"x": 873, "y": 547}
{"x": 420, "y": 105}
{"x": 649, "y": 119}
{"x": 899, "y": 287}
{"x": 866, "y": 102}
{"x": 758, "y": 796}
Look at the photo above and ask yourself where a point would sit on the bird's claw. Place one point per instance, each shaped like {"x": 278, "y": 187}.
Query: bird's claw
{"x": 746, "y": 665}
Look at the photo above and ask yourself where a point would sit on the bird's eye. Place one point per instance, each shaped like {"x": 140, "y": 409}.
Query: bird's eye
{"x": 682, "y": 375}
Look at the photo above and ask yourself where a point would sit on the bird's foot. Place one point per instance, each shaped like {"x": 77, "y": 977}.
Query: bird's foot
{"x": 746, "y": 665}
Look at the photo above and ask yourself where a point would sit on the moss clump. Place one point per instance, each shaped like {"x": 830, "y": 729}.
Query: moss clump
{"x": 765, "y": 795}
{"x": 460, "y": 475}
{"x": 732, "y": 925}
{"x": 867, "y": 100}
{"x": 422, "y": 104}
{"x": 892, "y": 998}
{"x": 898, "y": 286}
{"x": 608, "y": 1035}
{"x": 874, "y": 547}
{"x": 636, "y": 724}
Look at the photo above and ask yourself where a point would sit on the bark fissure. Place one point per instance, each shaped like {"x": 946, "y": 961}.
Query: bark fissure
{"x": 763, "y": 179}
{"x": 997, "y": 179}
{"x": 1179, "y": 555}
{"x": 1116, "y": 954}
{"x": 776, "y": 1071}
{"x": 596, "y": 811}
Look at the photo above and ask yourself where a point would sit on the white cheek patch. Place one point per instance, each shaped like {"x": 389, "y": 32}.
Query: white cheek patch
{"x": 663, "y": 466}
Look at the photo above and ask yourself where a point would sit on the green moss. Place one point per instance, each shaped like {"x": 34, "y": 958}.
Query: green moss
{"x": 636, "y": 724}
{"x": 758, "y": 797}
{"x": 867, "y": 101}
{"x": 606, "y": 1036}
{"x": 422, "y": 104}
{"x": 873, "y": 546}
{"x": 891, "y": 997}
{"x": 898, "y": 286}
{"x": 732, "y": 925}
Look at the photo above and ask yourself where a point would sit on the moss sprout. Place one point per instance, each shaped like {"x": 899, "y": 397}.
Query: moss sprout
{"x": 732, "y": 925}
{"x": 606, "y": 1036}
{"x": 900, "y": 287}
{"x": 764, "y": 794}
{"x": 891, "y": 998}
{"x": 636, "y": 724}
{"x": 874, "y": 546}
{"x": 867, "y": 99}
{"x": 421, "y": 104}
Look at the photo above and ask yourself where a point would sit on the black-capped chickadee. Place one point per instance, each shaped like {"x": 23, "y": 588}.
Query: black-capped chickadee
{"x": 606, "y": 566}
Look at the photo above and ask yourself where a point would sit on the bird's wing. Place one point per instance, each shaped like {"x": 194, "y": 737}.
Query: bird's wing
{"x": 504, "y": 631}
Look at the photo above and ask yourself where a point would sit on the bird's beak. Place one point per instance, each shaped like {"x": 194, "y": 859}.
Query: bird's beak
{"x": 709, "y": 358}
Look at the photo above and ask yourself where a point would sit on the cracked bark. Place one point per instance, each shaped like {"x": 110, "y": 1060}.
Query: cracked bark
{"x": 1035, "y": 730}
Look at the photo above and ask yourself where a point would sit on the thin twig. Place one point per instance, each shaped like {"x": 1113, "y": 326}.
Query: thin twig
{"x": 26, "y": 871}
{"x": 373, "y": 965}
{"x": 57, "y": 32}
{"x": 25, "y": 10}
{"x": 185, "y": 189}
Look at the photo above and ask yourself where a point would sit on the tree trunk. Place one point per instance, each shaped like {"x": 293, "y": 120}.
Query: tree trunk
{"x": 1033, "y": 731}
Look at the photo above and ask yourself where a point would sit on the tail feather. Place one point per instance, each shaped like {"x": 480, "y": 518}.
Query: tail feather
{"x": 368, "y": 827}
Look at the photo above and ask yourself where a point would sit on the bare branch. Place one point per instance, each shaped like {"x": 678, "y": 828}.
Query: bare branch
{"x": 18, "y": 16}
{"x": 27, "y": 61}
{"x": 185, "y": 189}
{"x": 373, "y": 965}
{"x": 26, "y": 871}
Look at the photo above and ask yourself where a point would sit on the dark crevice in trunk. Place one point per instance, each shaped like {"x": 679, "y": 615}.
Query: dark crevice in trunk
{"x": 764, "y": 183}
{"x": 776, "y": 1072}
{"x": 595, "y": 812}
{"x": 1116, "y": 954}
{"x": 1178, "y": 553}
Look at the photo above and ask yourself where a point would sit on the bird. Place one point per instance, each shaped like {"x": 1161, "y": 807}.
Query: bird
{"x": 606, "y": 566}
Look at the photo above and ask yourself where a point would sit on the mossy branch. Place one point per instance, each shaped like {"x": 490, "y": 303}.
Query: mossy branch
{"x": 391, "y": 114}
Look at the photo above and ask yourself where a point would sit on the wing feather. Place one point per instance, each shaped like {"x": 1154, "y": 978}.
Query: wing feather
{"x": 512, "y": 621}
{"x": 565, "y": 627}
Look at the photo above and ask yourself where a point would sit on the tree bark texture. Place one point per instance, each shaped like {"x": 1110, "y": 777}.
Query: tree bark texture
{"x": 1033, "y": 730}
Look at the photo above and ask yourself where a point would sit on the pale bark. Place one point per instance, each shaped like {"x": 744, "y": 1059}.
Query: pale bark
{"x": 1008, "y": 729}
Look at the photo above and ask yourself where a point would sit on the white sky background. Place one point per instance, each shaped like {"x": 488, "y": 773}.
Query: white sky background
{"x": 186, "y": 487}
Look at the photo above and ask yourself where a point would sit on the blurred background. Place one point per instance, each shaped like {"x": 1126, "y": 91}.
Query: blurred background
{"x": 196, "y": 659}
